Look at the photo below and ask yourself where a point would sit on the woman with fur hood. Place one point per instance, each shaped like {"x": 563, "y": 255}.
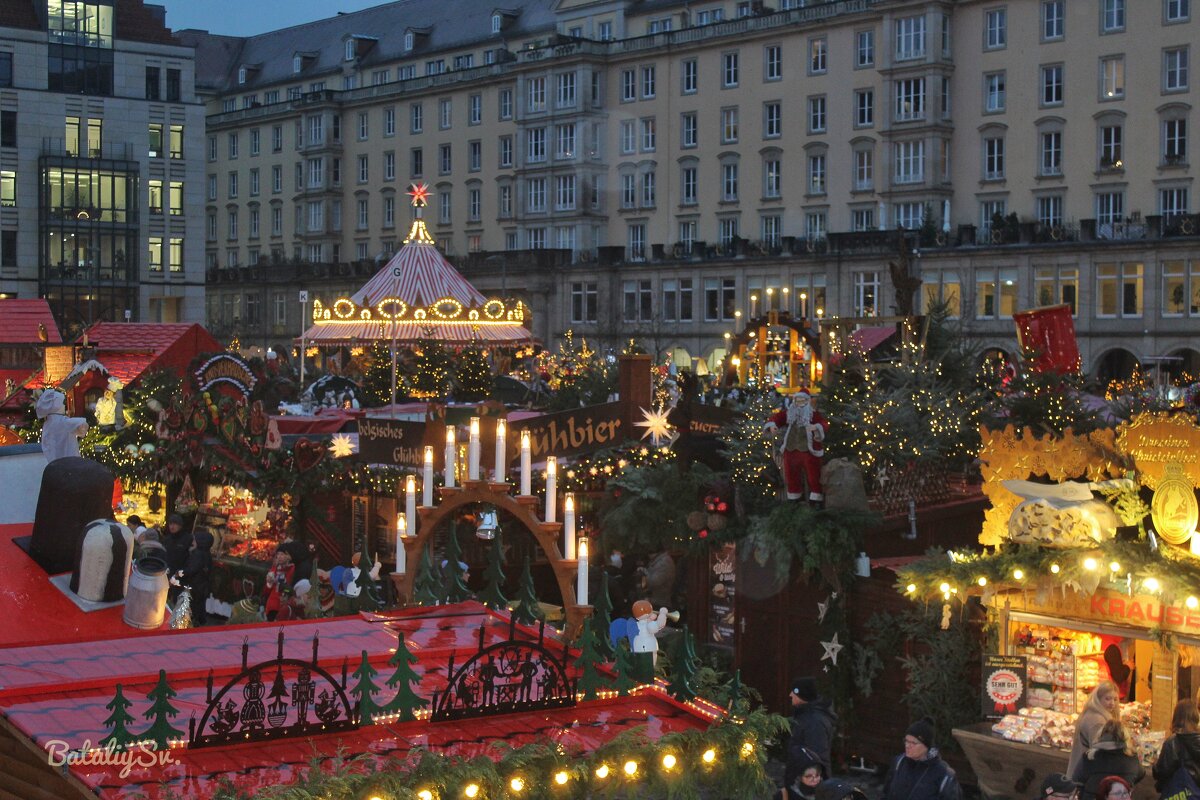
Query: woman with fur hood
{"x": 1113, "y": 754}
{"x": 1183, "y": 748}
{"x": 1102, "y": 706}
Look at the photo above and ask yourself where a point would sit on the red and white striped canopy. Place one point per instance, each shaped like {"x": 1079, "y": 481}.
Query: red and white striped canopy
{"x": 420, "y": 276}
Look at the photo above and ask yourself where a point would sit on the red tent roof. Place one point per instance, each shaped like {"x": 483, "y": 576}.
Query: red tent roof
{"x": 19, "y": 321}
{"x": 127, "y": 349}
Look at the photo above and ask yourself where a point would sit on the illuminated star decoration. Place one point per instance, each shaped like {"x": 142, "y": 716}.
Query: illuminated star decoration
{"x": 832, "y": 648}
{"x": 656, "y": 425}
{"x": 342, "y": 445}
{"x": 419, "y": 192}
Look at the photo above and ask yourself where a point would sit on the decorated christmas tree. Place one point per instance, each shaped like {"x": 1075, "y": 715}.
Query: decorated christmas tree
{"x": 684, "y": 662}
{"x": 432, "y": 373}
{"x": 364, "y": 691}
{"x": 453, "y": 588}
{"x": 590, "y": 680}
{"x": 492, "y": 595}
{"x": 377, "y": 377}
{"x": 750, "y": 449}
{"x": 427, "y": 588}
{"x": 404, "y": 678}
{"x": 472, "y": 376}
{"x": 161, "y": 710}
{"x": 119, "y": 735}
{"x": 602, "y": 613}
{"x": 528, "y": 610}
{"x": 626, "y": 679}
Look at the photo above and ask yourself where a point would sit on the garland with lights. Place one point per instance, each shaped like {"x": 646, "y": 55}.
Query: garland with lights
{"x": 472, "y": 376}
{"x": 726, "y": 760}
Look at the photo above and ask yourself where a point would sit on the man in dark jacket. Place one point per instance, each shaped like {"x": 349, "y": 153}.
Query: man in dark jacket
{"x": 195, "y": 573}
{"x": 178, "y": 542}
{"x": 812, "y": 728}
{"x": 919, "y": 773}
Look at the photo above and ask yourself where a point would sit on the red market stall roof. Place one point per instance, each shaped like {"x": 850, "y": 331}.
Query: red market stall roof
{"x": 418, "y": 295}
{"x": 27, "y": 322}
{"x": 867, "y": 339}
{"x": 128, "y": 349}
{"x": 59, "y": 692}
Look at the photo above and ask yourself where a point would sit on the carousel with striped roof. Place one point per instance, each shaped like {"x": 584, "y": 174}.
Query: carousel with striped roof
{"x": 417, "y": 296}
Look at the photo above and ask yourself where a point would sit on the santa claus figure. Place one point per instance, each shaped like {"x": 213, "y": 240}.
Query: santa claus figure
{"x": 803, "y": 445}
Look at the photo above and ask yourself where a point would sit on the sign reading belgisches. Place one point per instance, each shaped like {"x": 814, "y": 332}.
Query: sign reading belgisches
{"x": 568, "y": 433}
{"x": 399, "y": 442}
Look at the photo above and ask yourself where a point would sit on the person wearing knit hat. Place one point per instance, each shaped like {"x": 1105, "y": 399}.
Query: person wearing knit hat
{"x": 1114, "y": 787}
{"x": 810, "y": 774}
{"x": 838, "y": 789}
{"x": 812, "y": 727}
{"x": 919, "y": 772}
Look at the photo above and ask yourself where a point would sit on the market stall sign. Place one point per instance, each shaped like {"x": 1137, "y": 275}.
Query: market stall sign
{"x": 1105, "y": 605}
{"x": 226, "y": 369}
{"x": 1153, "y": 441}
{"x": 568, "y": 433}
{"x": 394, "y": 441}
{"x": 1004, "y": 684}
{"x": 707, "y": 420}
{"x": 723, "y": 582}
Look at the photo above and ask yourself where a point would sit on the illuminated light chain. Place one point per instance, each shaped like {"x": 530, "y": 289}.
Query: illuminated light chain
{"x": 447, "y": 310}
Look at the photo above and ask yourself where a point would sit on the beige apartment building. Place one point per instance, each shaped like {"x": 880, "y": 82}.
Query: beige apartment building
{"x": 101, "y": 166}
{"x": 654, "y": 168}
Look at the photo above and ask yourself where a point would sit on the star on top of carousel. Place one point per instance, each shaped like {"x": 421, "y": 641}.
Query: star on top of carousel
{"x": 418, "y": 295}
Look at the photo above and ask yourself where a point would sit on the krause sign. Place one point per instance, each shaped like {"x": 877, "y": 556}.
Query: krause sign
{"x": 393, "y": 441}
{"x": 568, "y": 433}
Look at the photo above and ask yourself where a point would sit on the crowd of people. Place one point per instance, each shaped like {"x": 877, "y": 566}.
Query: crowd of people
{"x": 1103, "y": 764}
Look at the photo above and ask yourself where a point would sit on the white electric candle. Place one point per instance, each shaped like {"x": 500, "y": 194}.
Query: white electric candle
{"x": 581, "y": 587}
{"x": 451, "y": 451}
{"x": 551, "y": 489}
{"x": 569, "y": 527}
{"x": 427, "y": 478}
{"x": 526, "y": 465}
{"x": 410, "y": 501}
{"x": 401, "y": 532}
{"x": 501, "y": 473}
{"x": 473, "y": 452}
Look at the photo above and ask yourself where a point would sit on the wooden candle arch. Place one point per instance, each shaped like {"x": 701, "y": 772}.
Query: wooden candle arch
{"x": 522, "y": 509}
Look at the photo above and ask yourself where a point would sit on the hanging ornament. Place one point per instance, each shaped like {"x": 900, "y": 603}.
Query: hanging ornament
{"x": 945, "y": 616}
{"x": 832, "y": 648}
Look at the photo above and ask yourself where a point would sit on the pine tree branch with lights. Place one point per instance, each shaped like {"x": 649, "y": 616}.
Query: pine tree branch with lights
{"x": 473, "y": 379}
{"x": 433, "y": 371}
{"x": 377, "y": 373}
{"x": 750, "y": 449}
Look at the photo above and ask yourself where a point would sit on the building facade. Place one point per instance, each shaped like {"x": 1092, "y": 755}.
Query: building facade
{"x": 655, "y": 168}
{"x": 101, "y": 163}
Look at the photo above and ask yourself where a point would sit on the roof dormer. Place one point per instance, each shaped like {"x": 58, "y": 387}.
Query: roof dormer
{"x": 355, "y": 46}
{"x": 246, "y": 73}
{"x": 302, "y": 60}
{"x": 502, "y": 18}
{"x": 415, "y": 37}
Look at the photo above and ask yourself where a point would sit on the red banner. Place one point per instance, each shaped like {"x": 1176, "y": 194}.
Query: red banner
{"x": 1047, "y": 338}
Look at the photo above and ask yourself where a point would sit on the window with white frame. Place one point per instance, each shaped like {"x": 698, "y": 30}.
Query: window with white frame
{"x": 815, "y": 225}
{"x": 910, "y": 38}
{"x": 565, "y": 94}
{"x": 1175, "y": 69}
{"x": 1052, "y": 85}
{"x": 1110, "y": 210}
{"x": 363, "y": 217}
{"x": 993, "y": 158}
{"x": 535, "y": 191}
{"x": 585, "y": 302}
{"x": 1049, "y": 210}
{"x": 729, "y": 125}
{"x": 995, "y": 292}
{"x": 1057, "y": 285}
{"x": 677, "y": 300}
{"x": 649, "y": 135}
{"x": 729, "y": 69}
{"x": 637, "y": 252}
{"x": 416, "y": 118}
{"x": 1053, "y": 19}
{"x": 628, "y": 190}
{"x": 506, "y": 151}
{"x": 536, "y": 94}
{"x": 728, "y": 229}
{"x": 688, "y": 134}
{"x": 864, "y": 108}
{"x": 773, "y": 62}
{"x": 729, "y": 181}
{"x": 772, "y": 120}
{"x": 818, "y": 55}
{"x": 474, "y": 155}
{"x": 816, "y": 174}
{"x": 769, "y": 227}
{"x": 864, "y": 169}
{"x": 1050, "y": 162}
{"x": 647, "y": 180}
{"x": 1176, "y": 10}
{"x": 1112, "y": 16}
{"x": 908, "y": 215}
{"x": 994, "y": 92}
{"x": 474, "y": 109}
{"x": 990, "y": 212}
{"x": 1119, "y": 289}
{"x": 536, "y": 238}
{"x": 648, "y": 81}
{"x": 689, "y": 77}
{"x": 772, "y": 177}
{"x": 1174, "y": 144}
{"x": 866, "y": 294}
{"x": 638, "y": 294}
{"x": 862, "y": 219}
{"x": 995, "y": 28}
{"x": 1111, "y": 137}
{"x": 504, "y": 200}
{"x": 687, "y": 235}
{"x": 910, "y": 99}
{"x": 909, "y": 159}
{"x": 1175, "y": 280}
{"x": 1112, "y": 77}
{"x": 505, "y": 105}
{"x": 628, "y": 85}
{"x": 942, "y": 287}
{"x": 535, "y": 151}
{"x": 864, "y": 48}
{"x": 474, "y": 203}
{"x": 564, "y": 193}
{"x": 565, "y": 140}
{"x": 688, "y": 193}
{"x": 816, "y": 114}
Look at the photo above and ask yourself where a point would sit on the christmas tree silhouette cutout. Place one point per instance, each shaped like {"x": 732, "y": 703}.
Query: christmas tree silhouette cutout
{"x": 404, "y": 678}
{"x": 680, "y": 686}
{"x": 453, "y": 588}
{"x": 492, "y": 596}
{"x": 590, "y": 680}
{"x": 602, "y": 613}
{"x": 626, "y": 679}
{"x": 119, "y": 735}
{"x": 427, "y": 591}
{"x": 528, "y": 610}
{"x": 161, "y": 710}
{"x": 368, "y": 593}
{"x": 364, "y": 691}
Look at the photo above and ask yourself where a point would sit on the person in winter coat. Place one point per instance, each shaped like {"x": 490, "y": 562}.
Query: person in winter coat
{"x": 1059, "y": 787}
{"x": 809, "y": 771}
{"x": 658, "y": 580}
{"x": 195, "y": 573}
{"x": 919, "y": 773}
{"x": 178, "y": 543}
{"x": 837, "y": 789}
{"x": 812, "y": 726}
{"x": 1102, "y": 706}
{"x": 1183, "y": 748}
{"x": 1112, "y": 755}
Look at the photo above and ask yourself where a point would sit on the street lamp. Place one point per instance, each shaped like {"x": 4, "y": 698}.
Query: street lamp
{"x": 303, "y": 318}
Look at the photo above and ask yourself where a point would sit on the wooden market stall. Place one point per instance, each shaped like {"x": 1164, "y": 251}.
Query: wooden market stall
{"x": 775, "y": 350}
